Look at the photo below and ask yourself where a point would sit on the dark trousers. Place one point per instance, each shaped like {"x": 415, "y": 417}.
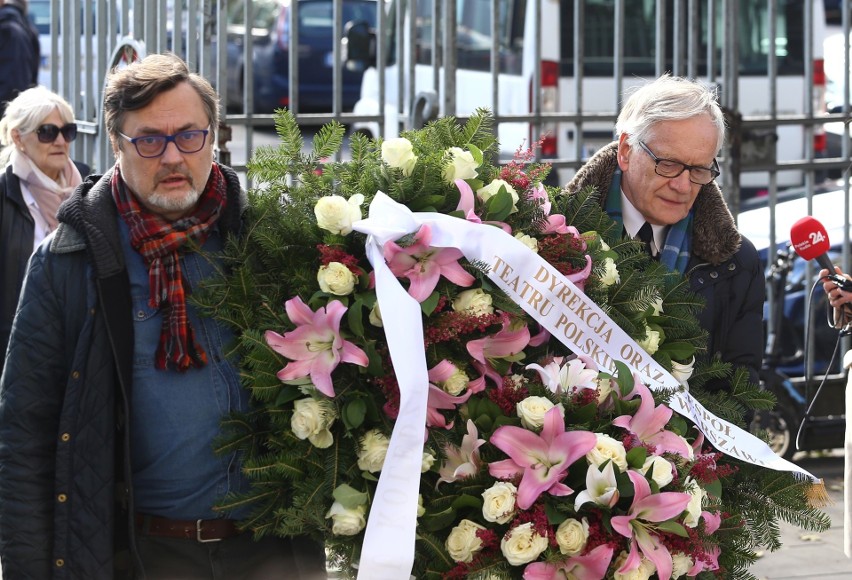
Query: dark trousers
{"x": 235, "y": 558}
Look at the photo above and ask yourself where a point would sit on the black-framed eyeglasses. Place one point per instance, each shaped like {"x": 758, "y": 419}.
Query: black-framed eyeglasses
{"x": 670, "y": 168}
{"x": 149, "y": 146}
{"x": 49, "y": 132}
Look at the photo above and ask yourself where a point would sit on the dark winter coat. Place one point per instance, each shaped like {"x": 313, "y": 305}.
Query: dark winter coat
{"x": 19, "y": 53}
{"x": 17, "y": 229}
{"x": 723, "y": 268}
{"x": 65, "y": 490}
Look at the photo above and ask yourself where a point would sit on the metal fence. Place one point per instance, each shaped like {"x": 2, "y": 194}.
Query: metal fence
{"x": 93, "y": 36}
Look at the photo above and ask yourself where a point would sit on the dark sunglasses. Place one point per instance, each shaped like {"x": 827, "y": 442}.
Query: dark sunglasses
{"x": 49, "y": 133}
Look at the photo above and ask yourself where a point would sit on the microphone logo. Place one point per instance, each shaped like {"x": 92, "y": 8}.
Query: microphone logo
{"x": 809, "y": 241}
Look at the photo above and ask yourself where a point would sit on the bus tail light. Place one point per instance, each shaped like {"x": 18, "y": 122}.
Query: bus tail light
{"x": 549, "y": 104}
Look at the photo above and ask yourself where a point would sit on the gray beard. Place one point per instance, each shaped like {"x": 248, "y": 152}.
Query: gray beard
{"x": 170, "y": 203}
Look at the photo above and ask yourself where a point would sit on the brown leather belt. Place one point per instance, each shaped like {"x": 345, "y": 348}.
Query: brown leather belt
{"x": 199, "y": 530}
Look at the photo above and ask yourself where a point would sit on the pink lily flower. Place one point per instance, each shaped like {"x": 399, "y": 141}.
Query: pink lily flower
{"x": 462, "y": 461}
{"x": 503, "y": 344}
{"x": 712, "y": 521}
{"x": 649, "y": 422}
{"x": 542, "y": 460}
{"x": 466, "y": 202}
{"x": 315, "y": 347}
{"x": 440, "y": 399}
{"x": 423, "y": 265}
{"x": 648, "y": 508}
{"x": 709, "y": 561}
{"x": 466, "y": 205}
{"x": 556, "y": 224}
{"x": 579, "y": 278}
{"x": 591, "y": 566}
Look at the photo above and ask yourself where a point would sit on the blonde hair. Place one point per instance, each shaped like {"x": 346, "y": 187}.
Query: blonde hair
{"x": 27, "y": 111}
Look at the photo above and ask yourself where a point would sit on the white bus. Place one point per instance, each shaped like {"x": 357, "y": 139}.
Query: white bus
{"x": 540, "y": 76}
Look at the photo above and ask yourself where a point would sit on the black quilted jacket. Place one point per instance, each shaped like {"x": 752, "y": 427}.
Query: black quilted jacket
{"x": 16, "y": 244}
{"x": 723, "y": 268}
{"x": 64, "y": 450}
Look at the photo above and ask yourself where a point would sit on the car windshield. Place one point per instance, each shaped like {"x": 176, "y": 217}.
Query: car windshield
{"x": 316, "y": 18}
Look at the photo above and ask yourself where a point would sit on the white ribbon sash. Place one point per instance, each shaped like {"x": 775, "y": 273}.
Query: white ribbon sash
{"x": 548, "y": 297}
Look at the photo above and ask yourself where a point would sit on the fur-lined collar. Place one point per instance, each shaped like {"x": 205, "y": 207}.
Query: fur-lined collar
{"x": 714, "y": 233}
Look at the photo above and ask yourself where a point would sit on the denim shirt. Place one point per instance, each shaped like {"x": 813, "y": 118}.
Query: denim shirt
{"x": 175, "y": 416}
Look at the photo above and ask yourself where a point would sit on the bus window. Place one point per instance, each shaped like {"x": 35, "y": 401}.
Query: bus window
{"x": 640, "y": 38}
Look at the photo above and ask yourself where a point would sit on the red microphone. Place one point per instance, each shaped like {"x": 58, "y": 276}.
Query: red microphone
{"x": 810, "y": 241}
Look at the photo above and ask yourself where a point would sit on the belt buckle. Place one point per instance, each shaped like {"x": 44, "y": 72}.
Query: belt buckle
{"x": 198, "y": 534}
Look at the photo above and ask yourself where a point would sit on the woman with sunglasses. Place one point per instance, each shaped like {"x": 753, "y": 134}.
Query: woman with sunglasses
{"x": 36, "y": 130}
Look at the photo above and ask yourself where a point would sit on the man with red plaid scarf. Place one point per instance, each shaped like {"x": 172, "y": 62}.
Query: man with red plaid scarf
{"x": 114, "y": 387}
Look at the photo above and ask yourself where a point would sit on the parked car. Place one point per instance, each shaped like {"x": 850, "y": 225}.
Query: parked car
{"x": 784, "y": 368}
{"x": 270, "y": 31}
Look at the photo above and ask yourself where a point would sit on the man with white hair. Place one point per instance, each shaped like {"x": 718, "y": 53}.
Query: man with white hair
{"x": 658, "y": 181}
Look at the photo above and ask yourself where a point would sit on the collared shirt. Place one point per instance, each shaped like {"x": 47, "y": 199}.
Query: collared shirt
{"x": 175, "y": 416}
{"x": 41, "y": 227}
{"x": 633, "y": 220}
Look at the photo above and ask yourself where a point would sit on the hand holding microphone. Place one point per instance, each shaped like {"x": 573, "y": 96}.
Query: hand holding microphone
{"x": 810, "y": 241}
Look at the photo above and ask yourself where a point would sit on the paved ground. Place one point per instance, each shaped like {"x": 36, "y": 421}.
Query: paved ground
{"x": 808, "y": 555}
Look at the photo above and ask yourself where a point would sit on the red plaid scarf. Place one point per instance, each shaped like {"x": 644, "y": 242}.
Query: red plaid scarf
{"x": 159, "y": 243}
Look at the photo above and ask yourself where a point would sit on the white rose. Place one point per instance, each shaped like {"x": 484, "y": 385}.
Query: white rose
{"x": 490, "y": 190}
{"x": 532, "y": 409}
{"x": 336, "y": 214}
{"x": 475, "y": 302}
{"x": 528, "y": 241}
{"x": 456, "y": 383}
{"x": 659, "y": 469}
{"x": 372, "y": 451}
{"x": 420, "y": 509}
{"x": 346, "y": 522}
{"x": 645, "y": 570}
{"x": 696, "y": 500}
{"x": 376, "y": 316}
{"x": 498, "y": 503}
{"x": 463, "y": 543}
{"x": 681, "y": 564}
{"x": 522, "y": 545}
{"x": 572, "y": 535}
{"x": 462, "y": 165}
{"x": 682, "y": 372}
{"x": 610, "y": 275}
{"x": 311, "y": 420}
{"x": 608, "y": 448}
{"x": 427, "y": 462}
{"x": 651, "y": 341}
{"x": 336, "y": 279}
{"x": 398, "y": 152}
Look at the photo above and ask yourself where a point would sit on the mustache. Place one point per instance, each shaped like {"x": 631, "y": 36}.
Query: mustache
{"x": 171, "y": 171}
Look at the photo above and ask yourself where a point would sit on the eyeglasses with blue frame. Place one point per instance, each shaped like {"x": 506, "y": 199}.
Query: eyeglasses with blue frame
{"x": 670, "y": 168}
{"x": 150, "y": 146}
